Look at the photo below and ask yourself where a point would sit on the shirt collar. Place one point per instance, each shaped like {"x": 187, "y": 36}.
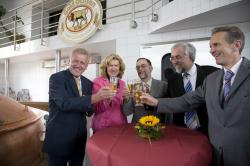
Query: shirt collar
{"x": 191, "y": 71}
{"x": 235, "y": 67}
{"x": 149, "y": 82}
{"x": 77, "y": 78}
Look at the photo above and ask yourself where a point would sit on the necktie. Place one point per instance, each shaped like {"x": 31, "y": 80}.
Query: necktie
{"x": 227, "y": 82}
{"x": 191, "y": 119}
{"x": 79, "y": 87}
{"x": 146, "y": 88}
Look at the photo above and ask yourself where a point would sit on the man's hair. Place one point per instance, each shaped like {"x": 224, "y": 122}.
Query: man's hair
{"x": 106, "y": 61}
{"x": 81, "y": 51}
{"x": 188, "y": 48}
{"x": 233, "y": 33}
{"x": 148, "y": 61}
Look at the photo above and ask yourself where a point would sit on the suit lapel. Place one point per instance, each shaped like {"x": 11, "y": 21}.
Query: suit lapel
{"x": 242, "y": 74}
{"x": 218, "y": 95}
{"x": 200, "y": 76}
{"x": 156, "y": 88}
{"x": 153, "y": 87}
{"x": 85, "y": 88}
{"x": 179, "y": 84}
{"x": 218, "y": 87}
{"x": 72, "y": 83}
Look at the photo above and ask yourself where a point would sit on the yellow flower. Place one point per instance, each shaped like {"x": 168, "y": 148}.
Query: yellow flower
{"x": 149, "y": 127}
{"x": 149, "y": 120}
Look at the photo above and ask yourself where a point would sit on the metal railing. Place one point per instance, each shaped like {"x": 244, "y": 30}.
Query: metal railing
{"x": 39, "y": 19}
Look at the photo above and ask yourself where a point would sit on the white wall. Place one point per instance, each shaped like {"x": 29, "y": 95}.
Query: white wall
{"x": 155, "y": 54}
{"x": 128, "y": 44}
{"x": 30, "y": 75}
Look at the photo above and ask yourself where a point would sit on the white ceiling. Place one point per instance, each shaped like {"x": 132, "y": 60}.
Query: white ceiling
{"x": 234, "y": 13}
{"x": 231, "y": 14}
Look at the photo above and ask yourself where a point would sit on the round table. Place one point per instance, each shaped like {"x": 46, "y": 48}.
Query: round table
{"x": 121, "y": 146}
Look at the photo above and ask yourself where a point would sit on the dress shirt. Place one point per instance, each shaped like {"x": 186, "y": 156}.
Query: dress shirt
{"x": 234, "y": 69}
{"x": 149, "y": 83}
{"x": 192, "y": 77}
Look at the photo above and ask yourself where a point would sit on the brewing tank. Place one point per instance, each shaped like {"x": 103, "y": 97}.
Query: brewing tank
{"x": 21, "y": 131}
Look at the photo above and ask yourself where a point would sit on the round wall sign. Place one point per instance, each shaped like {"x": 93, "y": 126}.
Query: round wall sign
{"x": 79, "y": 20}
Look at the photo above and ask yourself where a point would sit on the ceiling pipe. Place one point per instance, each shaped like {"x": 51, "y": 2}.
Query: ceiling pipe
{"x": 133, "y": 23}
{"x": 154, "y": 16}
{"x": 58, "y": 60}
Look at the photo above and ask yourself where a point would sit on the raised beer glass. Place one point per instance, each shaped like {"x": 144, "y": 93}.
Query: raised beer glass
{"x": 137, "y": 94}
{"x": 113, "y": 83}
{"x": 130, "y": 85}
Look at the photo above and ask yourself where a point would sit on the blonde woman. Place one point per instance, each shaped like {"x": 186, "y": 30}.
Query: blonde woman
{"x": 109, "y": 112}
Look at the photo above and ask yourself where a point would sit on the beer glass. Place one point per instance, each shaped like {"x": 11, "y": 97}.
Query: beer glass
{"x": 113, "y": 83}
{"x": 138, "y": 93}
{"x": 130, "y": 85}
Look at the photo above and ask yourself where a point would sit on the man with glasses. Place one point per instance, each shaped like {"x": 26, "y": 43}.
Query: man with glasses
{"x": 182, "y": 58}
{"x": 70, "y": 101}
{"x": 226, "y": 93}
{"x": 150, "y": 85}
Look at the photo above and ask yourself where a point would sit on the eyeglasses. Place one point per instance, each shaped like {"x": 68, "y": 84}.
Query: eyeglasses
{"x": 176, "y": 58}
{"x": 142, "y": 67}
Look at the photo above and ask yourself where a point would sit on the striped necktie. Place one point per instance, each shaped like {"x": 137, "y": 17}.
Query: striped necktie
{"x": 191, "y": 119}
{"x": 146, "y": 88}
{"x": 227, "y": 82}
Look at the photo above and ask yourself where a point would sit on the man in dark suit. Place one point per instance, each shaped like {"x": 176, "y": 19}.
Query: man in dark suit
{"x": 182, "y": 58}
{"x": 70, "y": 100}
{"x": 226, "y": 93}
{"x": 154, "y": 87}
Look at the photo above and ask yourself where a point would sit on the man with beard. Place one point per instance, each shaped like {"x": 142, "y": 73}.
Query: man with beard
{"x": 226, "y": 93}
{"x": 149, "y": 85}
{"x": 182, "y": 58}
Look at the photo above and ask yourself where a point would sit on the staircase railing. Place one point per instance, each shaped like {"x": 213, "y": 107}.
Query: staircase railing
{"x": 39, "y": 19}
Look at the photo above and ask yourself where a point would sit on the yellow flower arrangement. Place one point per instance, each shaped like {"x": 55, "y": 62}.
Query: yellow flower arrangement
{"x": 149, "y": 127}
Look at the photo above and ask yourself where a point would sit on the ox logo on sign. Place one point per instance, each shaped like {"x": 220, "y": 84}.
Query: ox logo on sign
{"x": 79, "y": 20}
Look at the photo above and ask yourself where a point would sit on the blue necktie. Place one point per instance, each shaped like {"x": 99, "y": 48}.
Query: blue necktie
{"x": 189, "y": 116}
{"x": 227, "y": 82}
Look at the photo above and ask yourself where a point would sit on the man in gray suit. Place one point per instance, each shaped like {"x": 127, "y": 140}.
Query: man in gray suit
{"x": 226, "y": 93}
{"x": 155, "y": 88}
{"x": 188, "y": 76}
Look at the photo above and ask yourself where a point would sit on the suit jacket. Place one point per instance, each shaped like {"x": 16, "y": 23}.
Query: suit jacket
{"x": 228, "y": 125}
{"x": 66, "y": 126}
{"x": 158, "y": 89}
{"x": 176, "y": 89}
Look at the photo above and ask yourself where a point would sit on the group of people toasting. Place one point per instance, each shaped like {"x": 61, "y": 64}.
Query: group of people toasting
{"x": 204, "y": 98}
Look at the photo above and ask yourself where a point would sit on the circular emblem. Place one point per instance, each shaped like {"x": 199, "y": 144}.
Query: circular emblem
{"x": 79, "y": 20}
